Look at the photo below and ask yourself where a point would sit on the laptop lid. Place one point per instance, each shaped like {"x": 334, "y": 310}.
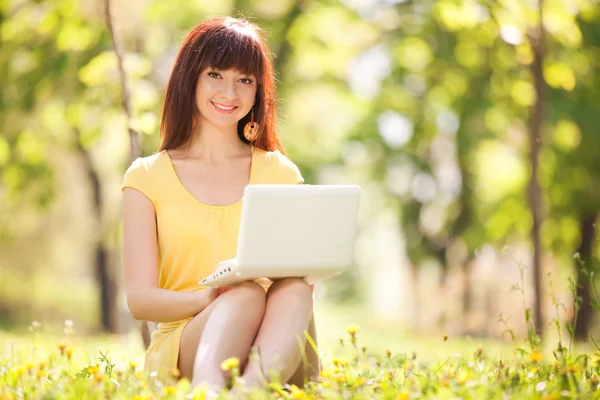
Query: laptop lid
{"x": 306, "y": 227}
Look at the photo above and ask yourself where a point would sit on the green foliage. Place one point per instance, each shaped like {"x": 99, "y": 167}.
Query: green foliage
{"x": 63, "y": 370}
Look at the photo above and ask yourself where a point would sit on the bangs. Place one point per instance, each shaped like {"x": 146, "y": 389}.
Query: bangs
{"x": 233, "y": 47}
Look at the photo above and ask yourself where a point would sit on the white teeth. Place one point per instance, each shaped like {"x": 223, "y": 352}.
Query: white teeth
{"x": 223, "y": 107}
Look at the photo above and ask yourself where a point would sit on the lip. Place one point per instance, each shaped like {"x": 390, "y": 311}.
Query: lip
{"x": 224, "y": 105}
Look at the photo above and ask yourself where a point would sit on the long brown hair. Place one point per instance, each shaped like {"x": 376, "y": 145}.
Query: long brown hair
{"x": 222, "y": 43}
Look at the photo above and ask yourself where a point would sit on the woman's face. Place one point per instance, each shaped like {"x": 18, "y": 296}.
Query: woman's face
{"x": 224, "y": 97}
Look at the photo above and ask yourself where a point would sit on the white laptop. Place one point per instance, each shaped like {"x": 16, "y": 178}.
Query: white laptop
{"x": 304, "y": 231}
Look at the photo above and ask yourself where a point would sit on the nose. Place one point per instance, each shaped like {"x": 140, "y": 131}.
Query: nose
{"x": 228, "y": 90}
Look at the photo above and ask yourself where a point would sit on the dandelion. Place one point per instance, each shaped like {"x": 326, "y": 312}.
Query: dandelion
{"x": 98, "y": 376}
{"x": 230, "y": 363}
{"x": 62, "y": 346}
{"x": 119, "y": 369}
{"x": 360, "y": 381}
{"x": 41, "y": 374}
{"x": 297, "y": 393}
{"x": 200, "y": 393}
{"x": 352, "y": 329}
{"x": 132, "y": 365}
{"x": 445, "y": 337}
{"x": 169, "y": 390}
{"x": 573, "y": 368}
{"x": 92, "y": 369}
{"x": 69, "y": 353}
{"x": 403, "y": 396}
{"x": 536, "y": 356}
{"x": 20, "y": 371}
{"x": 42, "y": 364}
{"x": 551, "y": 396}
{"x": 30, "y": 367}
{"x": 388, "y": 353}
{"x": 463, "y": 377}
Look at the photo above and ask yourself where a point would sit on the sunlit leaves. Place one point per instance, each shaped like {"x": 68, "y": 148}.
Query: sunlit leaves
{"x": 454, "y": 16}
{"x": 559, "y": 75}
{"x": 567, "y": 135}
{"x": 500, "y": 171}
{"x": 413, "y": 53}
{"x": 523, "y": 93}
{"x": 103, "y": 68}
{"x": 75, "y": 36}
{"x": 29, "y": 148}
{"x": 4, "y": 151}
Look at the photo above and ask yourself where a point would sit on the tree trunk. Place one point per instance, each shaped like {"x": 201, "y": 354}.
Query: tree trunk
{"x": 586, "y": 248}
{"x": 535, "y": 192}
{"x": 107, "y": 285}
{"x": 467, "y": 295}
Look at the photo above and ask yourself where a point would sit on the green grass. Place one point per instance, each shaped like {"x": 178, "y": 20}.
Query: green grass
{"x": 70, "y": 366}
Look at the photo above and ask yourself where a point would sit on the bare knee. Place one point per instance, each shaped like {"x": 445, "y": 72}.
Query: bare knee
{"x": 292, "y": 290}
{"x": 249, "y": 293}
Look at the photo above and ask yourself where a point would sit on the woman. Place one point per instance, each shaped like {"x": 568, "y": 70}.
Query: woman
{"x": 181, "y": 214}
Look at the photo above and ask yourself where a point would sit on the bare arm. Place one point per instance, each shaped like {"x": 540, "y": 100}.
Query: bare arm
{"x": 145, "y": 299}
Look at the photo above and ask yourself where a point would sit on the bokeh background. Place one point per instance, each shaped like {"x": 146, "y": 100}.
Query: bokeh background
{"x": 473, "y": 129}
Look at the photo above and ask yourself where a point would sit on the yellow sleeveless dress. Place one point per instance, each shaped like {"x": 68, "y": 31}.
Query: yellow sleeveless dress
{"x": 192, "y": 237}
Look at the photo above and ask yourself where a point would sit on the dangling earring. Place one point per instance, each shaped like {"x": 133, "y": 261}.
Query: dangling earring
{"x": 251, "y": 129}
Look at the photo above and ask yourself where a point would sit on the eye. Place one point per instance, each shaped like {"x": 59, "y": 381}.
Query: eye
{"x": 214, "y": 75}
{"x": 246, "y": 81}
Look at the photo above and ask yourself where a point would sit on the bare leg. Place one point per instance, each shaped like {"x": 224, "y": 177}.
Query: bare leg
{"x": 281, "y": 339}
{"x": 310, "y": 365}
{"x": 228, "y": 331}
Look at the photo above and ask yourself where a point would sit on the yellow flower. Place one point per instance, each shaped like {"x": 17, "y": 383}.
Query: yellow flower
{"x": 573, "y": 368}
{"x": 140, "y": 397}
{"x": 297, "y": 393}
{"x": 352, "y": 329}
{"x": 403, "y": 396}
{"x": 200, "y": 393}
{"x": 445, "y": 337}
{"x": 551, "y": 396}
{"x": 30, "y": 366}
{"x": 230, "y": 363}
{"x": 167, "y": 390}
{"x": 360, "y": 381}
{"x": 42, "y": 364}
{"x": 20, "y": 371}
{"x": 326, "y": 373}
{"x": 596, "y": 361}
{"x": 138, "y": 375}
{"x": 41, "y": 374}
{"x": 463, "y": 377}
{"x": 445, "y": 382}
{"x": 132, "y": 364}
{"x": 388, "y": 353}
{"x": 69, "y": 352}
{"x": 98, "y": 376}
{"x": 594, "y": 380}
{"x": 93, "y": 369}
{"x": 536, "y": 356}
{"x": 62, "y": 346}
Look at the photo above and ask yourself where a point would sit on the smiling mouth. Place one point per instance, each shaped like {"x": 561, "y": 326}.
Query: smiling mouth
{"x": 222, "y": 108}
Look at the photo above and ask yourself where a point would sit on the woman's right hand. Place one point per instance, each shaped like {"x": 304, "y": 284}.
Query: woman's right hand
{"x": 210, "y": 294}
